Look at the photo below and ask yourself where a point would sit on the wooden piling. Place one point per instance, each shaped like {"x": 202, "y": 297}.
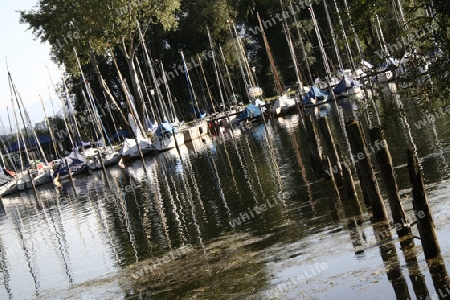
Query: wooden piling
{"x": 327, "y": 164}
{"x": 425, "y": 223}
{"x": 384, "y": 159}
{"x": 352, "y": 206}
{"x": 369, "y": 185}
{"x": 330, "y": 149}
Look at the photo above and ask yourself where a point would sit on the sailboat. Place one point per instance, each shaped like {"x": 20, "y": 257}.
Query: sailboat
{"x": 29, "y": 175}
{"x": 98, "y": 155}
{"x": 133, "y": 148}
{"x": 254, "y": 110}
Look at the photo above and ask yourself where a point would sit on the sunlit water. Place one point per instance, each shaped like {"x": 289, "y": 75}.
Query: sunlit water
{"x": 236, "y": 216}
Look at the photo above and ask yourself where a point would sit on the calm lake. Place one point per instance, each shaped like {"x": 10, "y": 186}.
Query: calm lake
{"x": 241, "y": 215}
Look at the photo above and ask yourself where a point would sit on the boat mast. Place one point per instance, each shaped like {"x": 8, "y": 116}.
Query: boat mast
{"x": 321, "y": 47}
{"x": 238, "y": 54}
{"x": 206, "y": 84}
{"x": 8, "y": 149}
{"x": 27, "y": 117}
{"x": 302, "y": 45}
{"x": 68, "y": 131}
{"x": 158, "y": 94}
{"x": 244, "y": 57}
{"x": 168, "y": 93}
{"x": 50, "y": 130}
{"x": 333, "y": 36}
{"x": 344, "y": 35}
{"x": 134, "y": 115}
{"x": 269, "y": 54}
{"x": 19, "y": 137}
{"x": 400, "y": 15}
{"x": 90, "y": 105}
{"x": 357, "y": 42}
{"x": 216, "y": 69}
{"x": 287, "y": 34}
{"x": 226, "y": 70}
{"x": 189, "y": 85}
{"x": 293, "y": 56}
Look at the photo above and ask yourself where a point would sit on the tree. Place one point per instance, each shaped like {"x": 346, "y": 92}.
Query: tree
{"x": 96, "y": 27}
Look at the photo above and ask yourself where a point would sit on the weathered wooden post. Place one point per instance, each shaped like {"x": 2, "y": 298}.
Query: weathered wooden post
{"x": 330, "y": 149}
{"x": 379, "y": 145}
{"x": 425, "y": 223}
{"x": 369, "y": 185}
{"x": 328, "y": 168}
{"x": 352, "y": 206}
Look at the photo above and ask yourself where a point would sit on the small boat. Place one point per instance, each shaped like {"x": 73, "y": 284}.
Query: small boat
{"x": 252, "y": 112}
{"x": 166, "y": 136}
{"x": 348, "y": 87}
{"x": 130, "y": 148}
{"x": 75, "y": 163}
{"x": 283, "y": 105}
{"x": 386, "y": 70}
{"x": 314, "y": 97}
{"x": 109, "y": 157}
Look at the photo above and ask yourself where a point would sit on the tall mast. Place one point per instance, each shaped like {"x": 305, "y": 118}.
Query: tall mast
{"x": 319, "y": 38}
{"x": 294, "y": 58}
{"x": 216, "y": 69}
{"x": 21, "y": 107}
{"x": 19, "y": 137}
{"x": 69, "y": 132}
{"x": 206, "y": 83}
{"x": 333, "y": 36}
{"x": 400, "y": 15}
{"x": 74, "y": 124}
{"x": 302, "y": 45}
{"x": 158, "y": 94}
{"x": 189, "y": 84}
{"x": 239, "y": 55}
{"x": 90, "y": 105}
{"x": 226, "y": 70}
{"x": 50, "y": 130}
{"x": 287, "y": 34}
{"x": 168, "y": 93}
{"x": 344, "y": 35}
{"x": 131, "y": 105}
{"x": 357, "y": 42}
{"x": 269, "y": 54}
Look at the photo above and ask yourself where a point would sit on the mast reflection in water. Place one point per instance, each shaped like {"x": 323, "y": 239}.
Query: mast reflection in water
{"x": 122, "y": 237}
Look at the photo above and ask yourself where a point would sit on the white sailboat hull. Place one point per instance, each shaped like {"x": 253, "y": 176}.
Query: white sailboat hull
{"x": 164, "y": 143}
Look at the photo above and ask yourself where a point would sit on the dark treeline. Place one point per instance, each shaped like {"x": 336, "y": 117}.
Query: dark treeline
{"x": 104, "y": 32}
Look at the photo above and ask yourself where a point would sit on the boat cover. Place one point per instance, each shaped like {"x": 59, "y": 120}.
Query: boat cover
{"x": 250, "y": 111}
{"x": 345, "y": 84}
{"x": 164, "y": 128}
{"x": 314, "y": 92}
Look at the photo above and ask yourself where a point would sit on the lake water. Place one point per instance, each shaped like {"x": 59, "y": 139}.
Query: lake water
{"x": 236, "y": 216}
